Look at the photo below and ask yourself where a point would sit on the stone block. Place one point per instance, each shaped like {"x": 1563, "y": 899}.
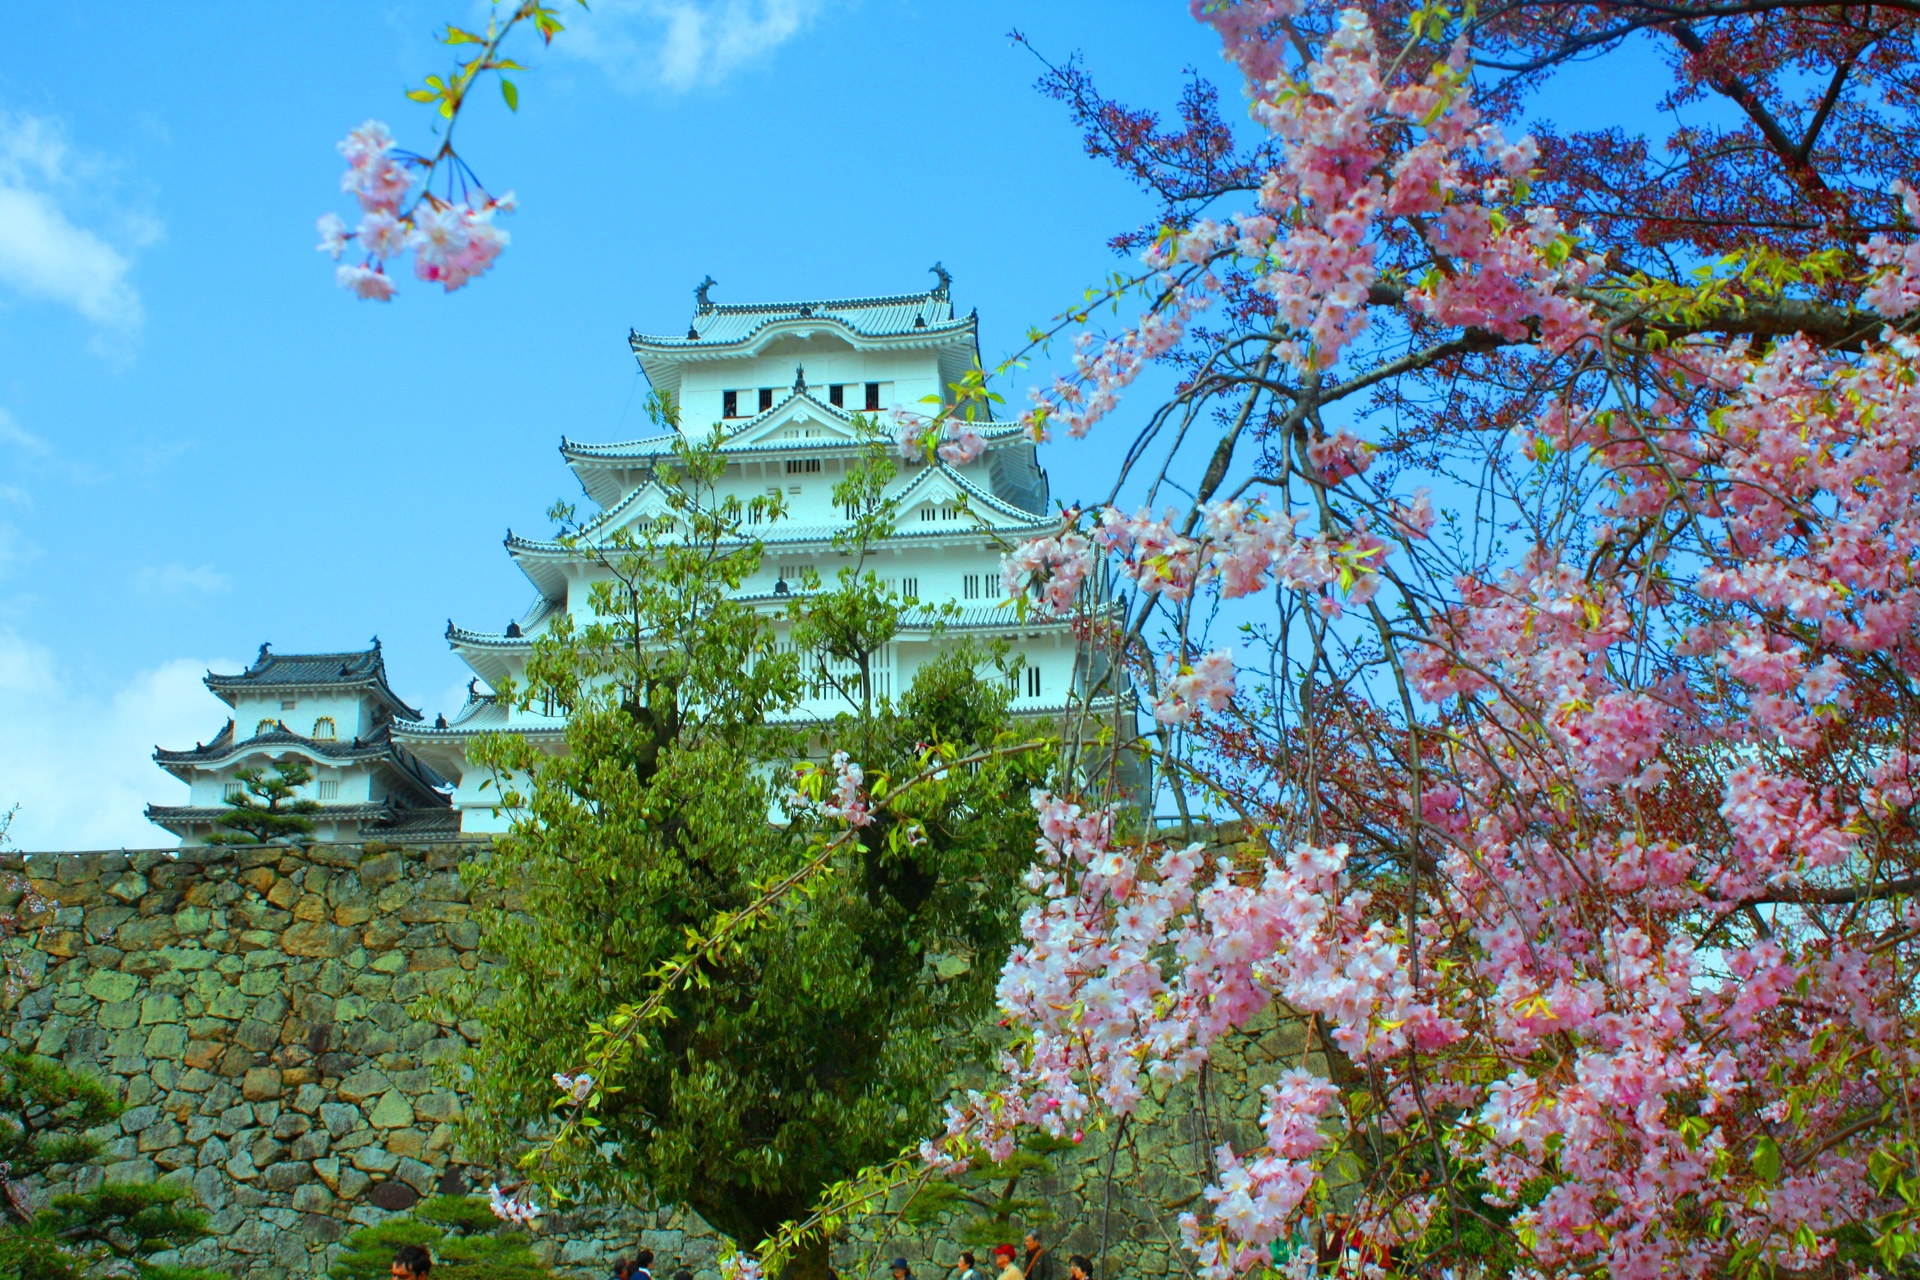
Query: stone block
{"x": 290, "y": 1125}
{"x": 192, "y": 921}
{"x": 374, "y": 1160}
{"x": 257, "y": 1035}
{"x": 353, "y": 1184}
{"x": 317, "y": 1227}
{"x": 381, "y": 870}
{"x": 162, "y": 1136}
{"x": 328, "y": 1171}
{"x": 415, "y": 1174}
{"x": 119, "y": 1016}
{"x": 202, "y": 1054}
{"x": 158, "y": 1009}
{"x": 132, "y": 1171}
{"x": 395, "y": 1197}
{"x": 362, "y": 1085}
{"x": 309, "y": 1098}
{"x": 112, "y": 988}
{"x": 439, "y": 1105}
{"x": 339, "y": 1118}
{"x": 169, "y": 1042}
{"x": 316, "y": 938}
{"x": 189, "y": 959}
{"x": 210, "y": 1189}
{"x": 128, "y": 888}
{"x": 260, "y": 1083}
{"x": 286, "y": 1175}
{"x": 236, "y": 1061}
{"x": 382, "y": 934}
{"x": 433, "y": 958}
{"x": 393, "y": 1111}
{"x": 261, "y": 982}
{"x": 310, "y": 1146}
{"x": 228, "y": 1005}
{"x": 147, "y": 933}
{"x": 349, "y": 914}
{"x": 283, "y": 893}
{"x": 258, "y": 879}
{"x": 407, "y": 1142}
{"x": 134, "y": 1119}
{"x": 310, "y": 907}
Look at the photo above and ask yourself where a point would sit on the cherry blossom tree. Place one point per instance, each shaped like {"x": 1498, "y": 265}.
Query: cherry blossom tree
{"x": 1565, "y": 491}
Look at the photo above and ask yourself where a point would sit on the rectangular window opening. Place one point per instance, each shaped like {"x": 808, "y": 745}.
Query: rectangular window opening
{"x": 766, "y": 399}
{"x": 802, "y": 466}
{"x": 329, "y": 790}
{"x": 729, "y": 404}
{"x": 873, "y": 397}
{"x": 970, "y": 587}
{"x": 1033, "y": 682}
{"x": 837, "y": 395}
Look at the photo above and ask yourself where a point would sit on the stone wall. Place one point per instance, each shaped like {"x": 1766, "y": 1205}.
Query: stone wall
{"x": 253, "y": 1007}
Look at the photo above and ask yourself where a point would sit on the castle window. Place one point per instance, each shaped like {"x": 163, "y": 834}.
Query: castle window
{"x": 231, "y": 792}
{"x": 266, "y": 726}
{"x": 909, "y": 589}
{"x": 971, "y": 586}
{"x": 324, "y": 729}
{"x": 766, "y": 399}
{"x": 837, "y": 395}
{"x": 288, "y": 704}
{"x": 328, "y": 790}
{"x": 873, "y": 397}
{"x": 802, "y": 466}
{"x": 730, "y": 404}
{"x": 1033, "y": 682}
{"x": 852, "y": 509}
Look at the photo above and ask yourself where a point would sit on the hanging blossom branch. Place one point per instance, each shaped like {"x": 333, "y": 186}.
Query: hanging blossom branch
{"x": 450, "y": 230}
{"x": 1629, "y": 941}
{"x": 838, "y": 792}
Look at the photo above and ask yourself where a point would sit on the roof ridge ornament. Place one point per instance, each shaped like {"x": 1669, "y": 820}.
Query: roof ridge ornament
{"x": 264, "y": 646}
{"x": 800, "y": 378}
{"x": 946, "y": 280}
{"x": 700, "y": 294}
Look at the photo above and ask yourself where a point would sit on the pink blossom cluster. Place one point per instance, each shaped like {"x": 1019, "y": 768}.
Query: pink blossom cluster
{"x": 847, "y": 802}
{"x": 577, "y": 1088}
{"x": 1049, "y": 571}
{"x": 451, "y": 242}
{"x": 517, "y": 1207}
{"x": 1188, "y": 689}
{"x": 1631, "y": 957}
{"x": 954, "y": 441}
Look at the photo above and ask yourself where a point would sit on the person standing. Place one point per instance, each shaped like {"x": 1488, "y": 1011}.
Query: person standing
{"x": 1079, "y": 1267}
{"x": 1004, "y": 1254}
{"x": 642, "y": 1266}
{"x": 411, "y": 1262}
{"x": 965, "y": 1268}
{"x": 900, "y": 1269}
{"x": 1038, "y": 1264}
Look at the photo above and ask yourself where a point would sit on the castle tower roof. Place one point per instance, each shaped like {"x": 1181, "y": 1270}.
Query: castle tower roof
{"x": 363, "y": 670}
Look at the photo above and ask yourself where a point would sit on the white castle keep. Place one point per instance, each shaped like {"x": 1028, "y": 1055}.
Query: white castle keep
{"x": 784, "y": 382}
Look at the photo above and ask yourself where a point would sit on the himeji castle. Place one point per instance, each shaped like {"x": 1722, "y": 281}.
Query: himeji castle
{"x": 784, "y": 382}
{"x": 335, "y": 714}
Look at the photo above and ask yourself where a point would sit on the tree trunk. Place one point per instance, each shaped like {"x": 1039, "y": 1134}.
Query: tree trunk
{"x": 812, "y": 1260}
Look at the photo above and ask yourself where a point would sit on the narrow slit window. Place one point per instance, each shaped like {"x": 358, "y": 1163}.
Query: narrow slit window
{"x": 909, "y": 589}
{"x": 1033, "y": 682}
{"x": 802, "y": 466}
{"x": 970, "y": 586}
{"x": 329, "y": 790}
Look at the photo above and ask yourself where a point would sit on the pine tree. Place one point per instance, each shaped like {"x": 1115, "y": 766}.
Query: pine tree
{"x": 467, "y": 1243}
{"x": 266, "y": 809}
{"x": 45, "y": 1113}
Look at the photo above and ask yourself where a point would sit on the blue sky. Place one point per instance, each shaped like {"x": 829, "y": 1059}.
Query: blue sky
{"x": 204, "y": 444}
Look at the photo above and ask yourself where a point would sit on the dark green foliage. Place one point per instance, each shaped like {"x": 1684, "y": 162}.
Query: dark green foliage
{"x": 994, "y": 1202}
{"x": 265, "y": 809}
{"x": 823, "y": 1041}
{"x": 466, "y": 1240}
{"x": 45, "y": 1110}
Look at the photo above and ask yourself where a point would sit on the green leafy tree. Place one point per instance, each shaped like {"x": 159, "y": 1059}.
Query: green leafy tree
{"x": 45, "y": 1113}
{"x": 821, "y": 1036}
{"x": 267, "y": 809}
{"x": 467, "y": 1243}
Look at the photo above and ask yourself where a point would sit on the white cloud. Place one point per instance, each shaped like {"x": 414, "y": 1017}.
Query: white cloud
{"x": 81, "y": 766}
{"x": 679, "y": 45}
{"x": 43, "y": 252}
{"x": 172, "y": 581}
{"x": 19, "y": 437}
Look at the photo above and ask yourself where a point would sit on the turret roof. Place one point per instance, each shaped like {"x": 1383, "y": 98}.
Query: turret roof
{"x": 226, "y": 748}
{"x": 357, "y": 669}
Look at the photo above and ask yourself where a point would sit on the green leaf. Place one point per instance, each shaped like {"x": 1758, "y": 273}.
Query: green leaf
{"x": 511, "y": 94}
{"x": 1766, "y": 1159}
